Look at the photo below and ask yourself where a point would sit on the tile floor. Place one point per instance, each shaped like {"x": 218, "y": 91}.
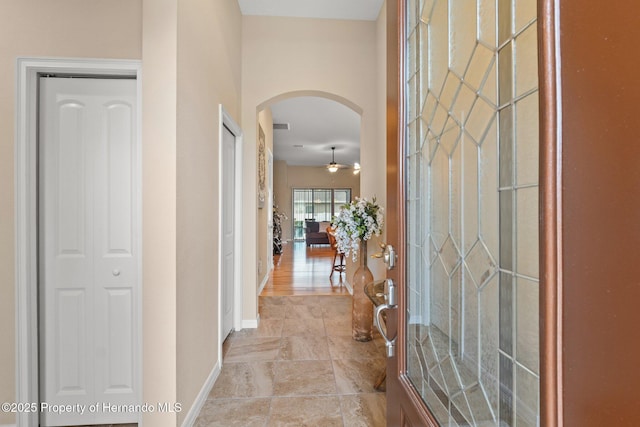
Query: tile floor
{"x": 300, "y": 367}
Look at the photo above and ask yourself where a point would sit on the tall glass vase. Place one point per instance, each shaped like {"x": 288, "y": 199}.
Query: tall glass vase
{"x": 362, "y": 307}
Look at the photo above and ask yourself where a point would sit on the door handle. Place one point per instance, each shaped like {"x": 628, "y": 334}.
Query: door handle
{"x": 390, "y": 302}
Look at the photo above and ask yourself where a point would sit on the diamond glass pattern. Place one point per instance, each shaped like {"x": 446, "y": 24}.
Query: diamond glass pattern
{"x": 472, "y": 175}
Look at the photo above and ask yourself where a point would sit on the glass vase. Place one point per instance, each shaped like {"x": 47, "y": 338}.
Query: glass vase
{"x": 362, "y": 307}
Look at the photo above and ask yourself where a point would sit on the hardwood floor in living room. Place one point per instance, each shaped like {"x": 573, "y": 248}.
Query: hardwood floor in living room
{"x": 302, "y": 270}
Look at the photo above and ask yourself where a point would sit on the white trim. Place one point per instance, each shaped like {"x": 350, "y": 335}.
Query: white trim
{"x": 201, "y": 398}
{"x": 251, "y": 323}
{"x": 7, "y": 425}
{"x": 225, "y": 119}
{"x": 26, "y": 264}
{"x": 264, "y": 282}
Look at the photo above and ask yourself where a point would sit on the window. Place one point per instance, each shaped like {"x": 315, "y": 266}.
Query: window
{"x": 319, "y": 204}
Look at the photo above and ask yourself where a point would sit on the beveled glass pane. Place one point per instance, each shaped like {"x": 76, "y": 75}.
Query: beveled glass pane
{"x": 480, "y": 405}
{"x": 506, "y": 147}
{"x": 489, "y": 211}
{"x": 482, "y": 114}
{"x": 412, "y": 53}
{"x": 449, "y": 90}
{"x": 438, "y": 46}
{"x": 505, "y": 74}
{"x": 527, "y": 402}
{"x": 463, "y": 103}
{"x": 506, "y": 390}
{"x": 506, "y": 230}
{"x": 449, "y": 140}
{"x": 416, "y": 374}
{"x": 461, "y": 405}
{"x": 527, "y": 309}
{"x": 479, "y": 66}
{"x": 526, "y": 60}
{"x": 527, "y": 140}
{"x": 423, "y": 62}
{"x": 413, "y": 101}
{"x": 412, "y": 135}
{"x": 506, "y": 313}
{"x": 487, "y": 21}
{"x": 527, "y": 232}
{"x": 449, "y": 256}
{"x": 439, "y": 119}
{"x": 429, "y": 108}
{"x": 440, "y": 300}
{"x": 462, "y": 34}
{"x": 490, "y": 86}
{"x": 489, "y": 341}
{"x": 470, "y": 193}
{"x": 455, "y": 313}
{"x": 469, "y": 355}
{"x": 427, "y": 8}
{"x": 456, "y": 213}
{"x": 412, "y": 9}
{"x": 480, "y": 264}
{"x": 504, "y": 20}
{"x": 526, "y": 11}
{"x": 439, "y": 197}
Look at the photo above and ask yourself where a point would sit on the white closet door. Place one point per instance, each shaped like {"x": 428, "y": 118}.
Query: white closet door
{"x": 228, "y": 227}
{"x": 88, "y": 248}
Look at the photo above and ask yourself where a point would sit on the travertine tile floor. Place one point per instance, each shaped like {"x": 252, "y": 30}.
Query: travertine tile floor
{"x": 300, "y": 367}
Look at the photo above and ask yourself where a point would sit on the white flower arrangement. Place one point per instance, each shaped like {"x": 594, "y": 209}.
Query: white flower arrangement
{"x": 357, "y": 222}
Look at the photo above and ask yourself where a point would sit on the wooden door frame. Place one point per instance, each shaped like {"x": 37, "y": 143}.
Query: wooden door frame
{"x": 550, "y": 235}
{"x": 550, "y": 196}
{"x": 26, "y": 211}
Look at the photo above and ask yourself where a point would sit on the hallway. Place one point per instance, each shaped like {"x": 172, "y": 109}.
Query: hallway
{"x": 300, "y": 367}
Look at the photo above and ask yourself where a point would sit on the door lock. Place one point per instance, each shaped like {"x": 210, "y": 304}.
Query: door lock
{"x": 388, "y": 255}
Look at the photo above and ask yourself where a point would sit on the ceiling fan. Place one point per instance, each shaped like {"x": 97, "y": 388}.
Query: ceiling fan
{"x": 333, "y": 166}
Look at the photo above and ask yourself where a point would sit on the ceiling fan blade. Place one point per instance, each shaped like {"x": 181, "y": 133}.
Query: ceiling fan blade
{"x": 339, "y": 166}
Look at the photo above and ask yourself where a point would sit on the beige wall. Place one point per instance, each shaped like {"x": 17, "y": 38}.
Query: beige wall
{"x": 184, "y": 80}
{"x": 263, "y": 245}
{"x": 208, "y": 71}
{"x": 64, "y": 28}
{"x": 159, "y": 205}
{"x": 334, "y": 58}
{"x": 289, "y": 177}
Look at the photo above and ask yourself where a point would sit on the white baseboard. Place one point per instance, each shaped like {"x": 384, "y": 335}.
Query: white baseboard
{"x": 250, "y": 323}
{"x": 7, "y": 425}
{"x": 201, "y": 398}
{"x": 263, "y": 283}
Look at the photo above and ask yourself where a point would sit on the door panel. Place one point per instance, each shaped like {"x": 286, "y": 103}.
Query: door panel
{"x": 89, "y": 253}
{"x": 467, "y": 174}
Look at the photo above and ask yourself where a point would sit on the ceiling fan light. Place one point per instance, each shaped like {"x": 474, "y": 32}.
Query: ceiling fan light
{"x": 333, "y": 166}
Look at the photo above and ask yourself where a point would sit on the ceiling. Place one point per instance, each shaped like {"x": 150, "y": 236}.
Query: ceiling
{"x": 316, "y": 124}
{"x": 362, "y": 10}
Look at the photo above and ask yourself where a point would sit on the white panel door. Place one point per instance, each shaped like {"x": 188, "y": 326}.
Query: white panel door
{"x": 269, "y": 211}
{"x": 228, "y": 226}
{"x": 89, "y": 249}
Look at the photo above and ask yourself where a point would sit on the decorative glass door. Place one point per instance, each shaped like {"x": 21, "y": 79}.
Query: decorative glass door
{"x": 472, "y": 350}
